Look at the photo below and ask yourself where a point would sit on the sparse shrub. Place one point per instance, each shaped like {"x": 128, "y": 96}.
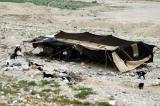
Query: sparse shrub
{"x": 44, "y": 95}
{"x": 22, "y": 84}
{"x": 7, "y": 90}
{"x": 76, "y": 102}
{"x": 32, "y": 83}
{"x": 62, "y": 4}
{"x": 46, "y": 90}
{"x": 56, "y": 84}
{"x": 84, "y": 92}
{"x": 57, "y": 91}
{"x": 103, "y": 104}
{"x": 94, "y": 1}
{"x": 63, "y": 100}
{"x": 71, "y": 86}
{"x": 44, "y": 82}
{"x": 25, "y": 84}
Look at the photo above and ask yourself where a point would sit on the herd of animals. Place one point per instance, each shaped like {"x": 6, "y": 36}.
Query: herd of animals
{"x": 63, "y": 75}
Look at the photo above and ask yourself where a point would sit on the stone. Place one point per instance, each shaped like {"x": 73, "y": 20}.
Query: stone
{"x": 25, "y": 67}
{"x": 156, "y": 82}
{"x": 132, "y": 74}
{"x": 112, "y": 102}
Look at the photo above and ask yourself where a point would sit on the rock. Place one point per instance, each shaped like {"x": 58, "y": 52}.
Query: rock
{"x": 19, "y": 94}
{"x": 109, "y": 96}
{"x": 56, "y": 70}
{"x": 132, "y": 74}
{"x": 89, "y": 67}
{"x": 63, "y": 74}
{"x": 3, "y": 46}
{"x": 17, "y": 64}
{"x": 112, "y": 102}
{"x": 38, "y": 96}
{"x": 47, "y": 60}
{"x": 3, "y": 104}
{"x": 111, "y": 74}
{"x": 14, "y": 102}
{"x": 82, "y": 64}
{"x": 37, "y": 50}
{"x": 156, "y": 82}
{"x": 124, "y": 92}
{"x": 25, "y": 67}
{"x": 1, "y": 92}
{"x": 33, "y": 92}
{"x": 2, "y": 97}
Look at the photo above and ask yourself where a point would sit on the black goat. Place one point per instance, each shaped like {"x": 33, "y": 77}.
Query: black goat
{"x": 141, "y": 85}
{"x": 141, "y": 74}
{"x": 47, "y": 75}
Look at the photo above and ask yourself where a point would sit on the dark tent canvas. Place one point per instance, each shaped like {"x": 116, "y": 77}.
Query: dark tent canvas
{"x": 126, "y": 55}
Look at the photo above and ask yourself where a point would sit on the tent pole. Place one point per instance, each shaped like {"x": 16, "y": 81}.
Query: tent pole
{"x": 106, "y": 62}
{"x": 127, "y": 54}
{"x": 24, "y": 47}
{"x": 61, "y": 52}
{"x": 157, "y": 47}
{"x": 111, "y": 60}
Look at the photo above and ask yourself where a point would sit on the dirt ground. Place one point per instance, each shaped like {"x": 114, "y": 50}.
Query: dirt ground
{"x": 127, "y": 19}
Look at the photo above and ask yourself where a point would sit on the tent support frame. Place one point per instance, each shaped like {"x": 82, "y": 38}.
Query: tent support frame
{"x": 107, "y": 55}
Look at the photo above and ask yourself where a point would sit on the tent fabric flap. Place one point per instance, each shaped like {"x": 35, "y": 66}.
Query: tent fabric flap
{"x": 128, "y": 65}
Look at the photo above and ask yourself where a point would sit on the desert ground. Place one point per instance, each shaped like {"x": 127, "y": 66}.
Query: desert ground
{"x": 136, "y": 20}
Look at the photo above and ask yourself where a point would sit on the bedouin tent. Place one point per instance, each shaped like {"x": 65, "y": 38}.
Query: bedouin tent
{"x": 125, "y": 55}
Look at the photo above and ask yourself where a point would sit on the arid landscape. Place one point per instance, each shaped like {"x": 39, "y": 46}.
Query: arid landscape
{"x": 137, "y": 20}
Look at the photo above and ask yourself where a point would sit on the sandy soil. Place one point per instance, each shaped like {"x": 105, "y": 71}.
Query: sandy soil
{"x": 131, "y": 20}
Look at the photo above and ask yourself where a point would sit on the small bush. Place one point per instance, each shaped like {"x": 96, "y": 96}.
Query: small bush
{"x": 44, "y": 82}
{"x": 56, "y": 84}
{"x": 57, "y": 91}
{"x": 44, "y": 95}
{"x": 63, "y": 100}
{"x": 32, "y": 83}
{"x": 70, "y": 85}
{"x": 22, "y": 84}
{"x": 46, "y": 90}
{"x": 8, "y": 90}
{"x": 103, "y": 104}
{"x": 84, "y": 92}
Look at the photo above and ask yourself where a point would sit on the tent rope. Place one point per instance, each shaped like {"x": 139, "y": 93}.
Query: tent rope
{"x": 158, "y": 49}
{"x": 126, "y": 54}
{"x": 61, "y": 51}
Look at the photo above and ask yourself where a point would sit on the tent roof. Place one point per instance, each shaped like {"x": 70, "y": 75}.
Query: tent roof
{"x": 108, "y": 40}
{"x": 49, "y": 41}
{"x": 53, "y": 42}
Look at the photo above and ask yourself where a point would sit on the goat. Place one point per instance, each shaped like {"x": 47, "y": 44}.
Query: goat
{"x": 141, "y": 74}
{"x": 47, "y": 75}
{"x": 140, "y": 86}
